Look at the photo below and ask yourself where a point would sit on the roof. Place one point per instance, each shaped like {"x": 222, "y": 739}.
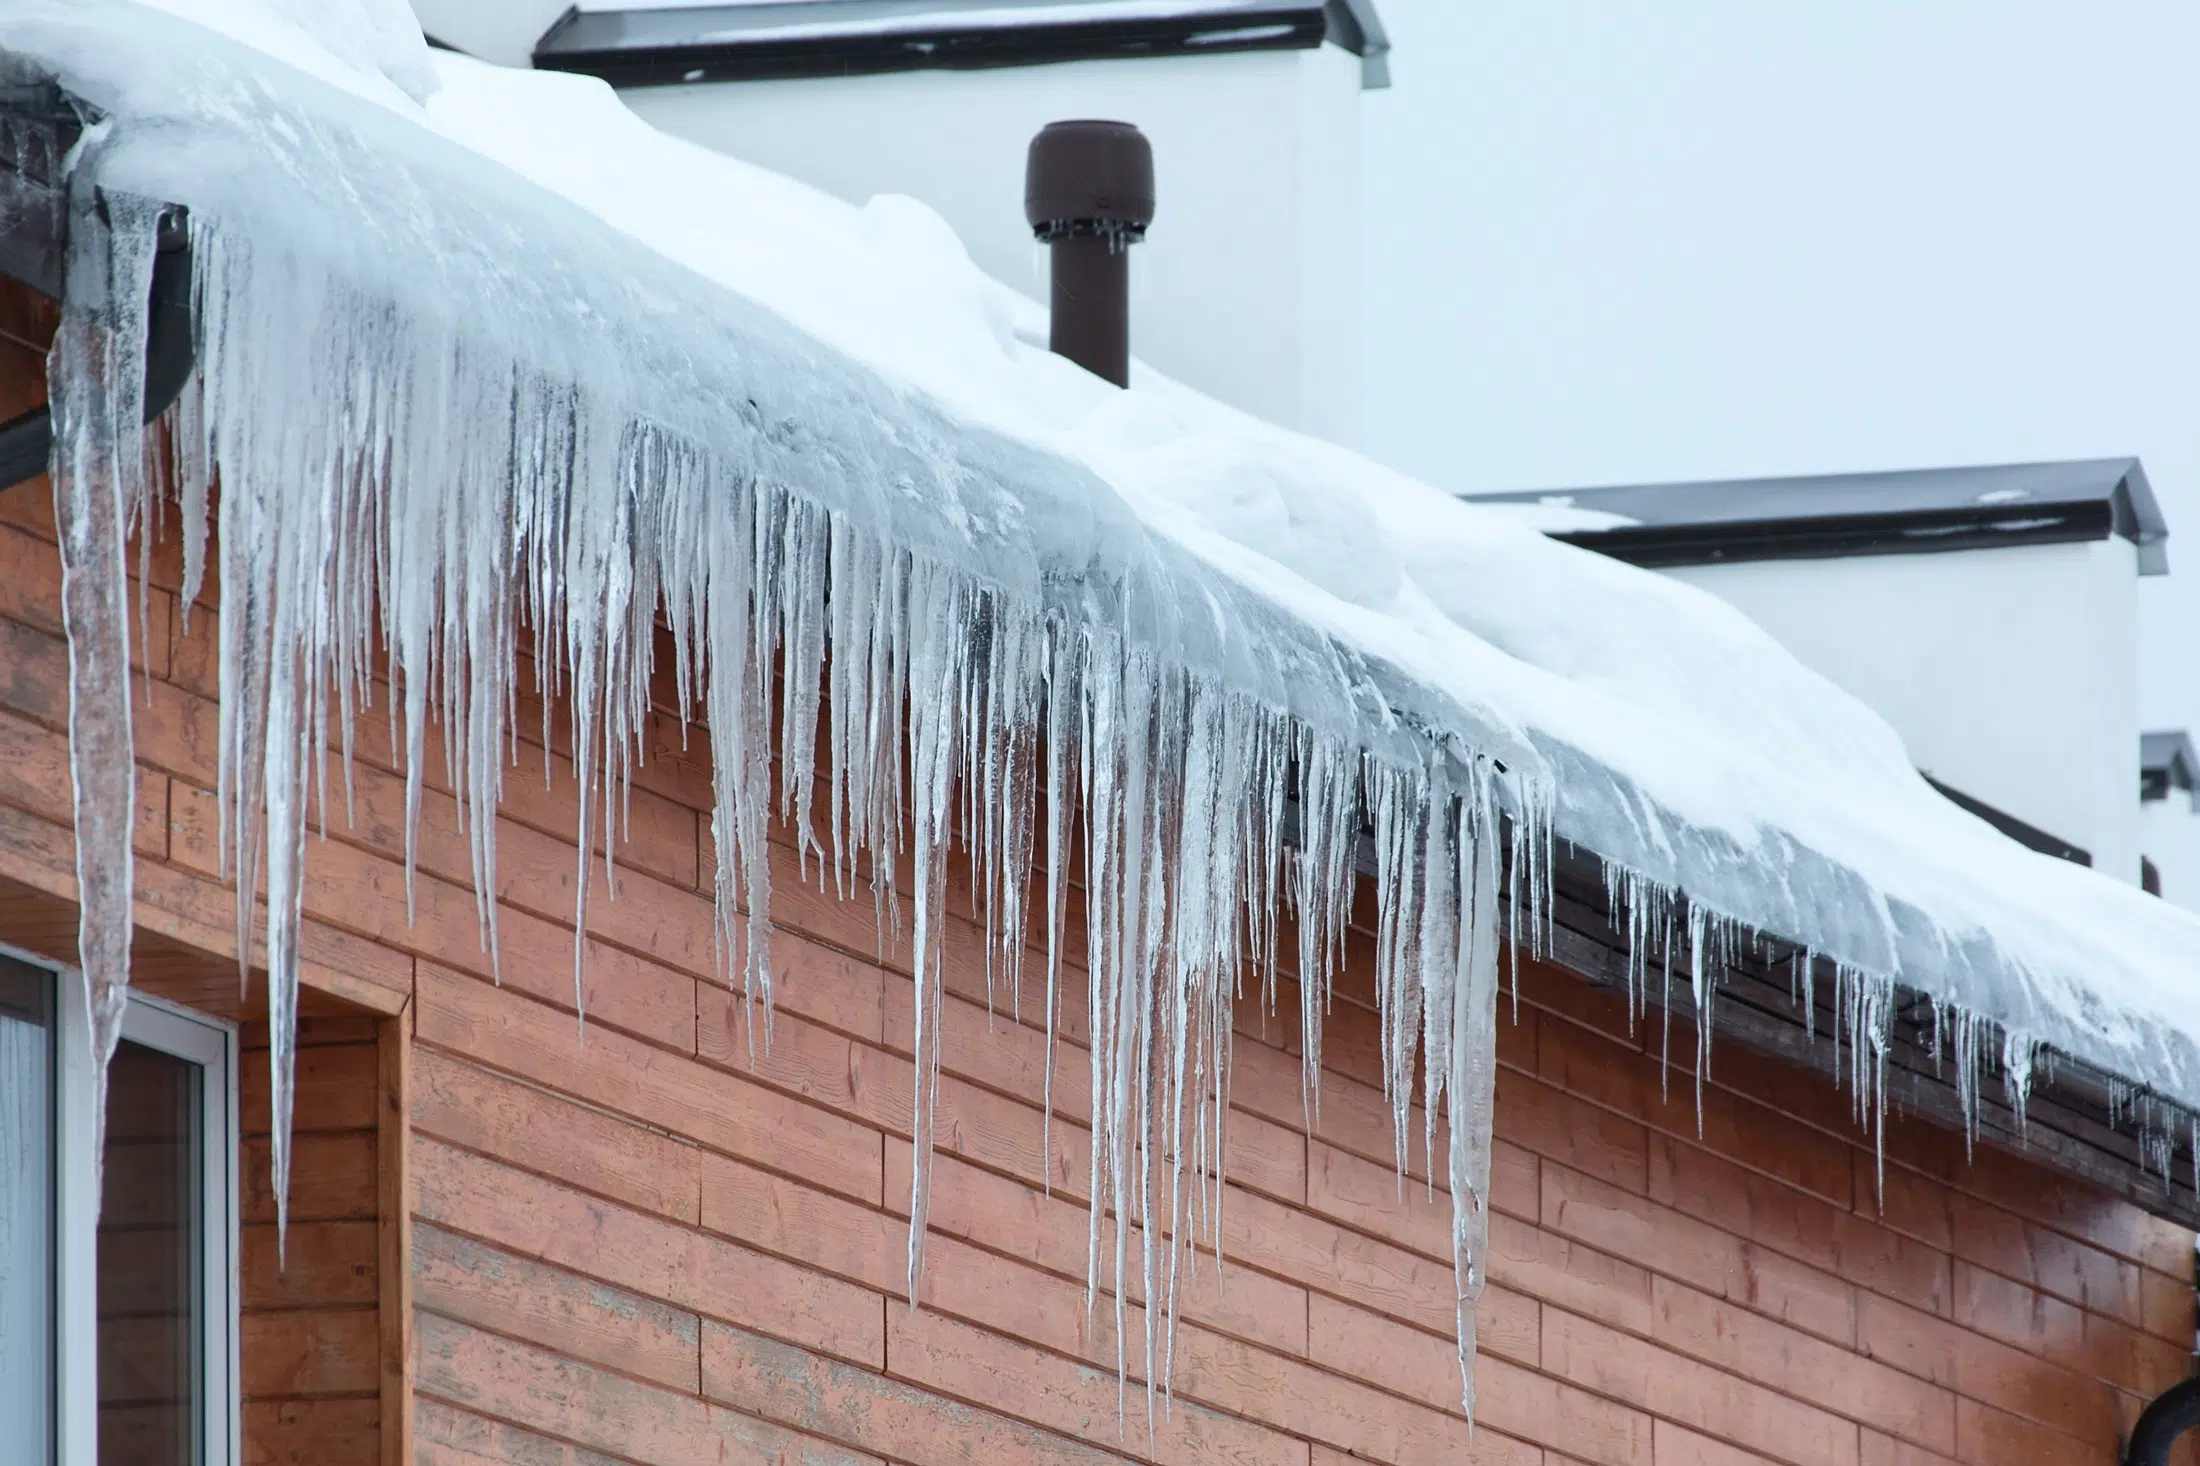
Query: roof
{"x": 1914, "y": 511}
{"x": 2168, "y": 762}
{"x": 672, "y": 43}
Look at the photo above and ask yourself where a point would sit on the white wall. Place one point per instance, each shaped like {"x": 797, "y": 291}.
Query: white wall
{"x": 1247, "y": 286}
{"x": 2169, "y": 835}
{"x": 2011, "y": 674}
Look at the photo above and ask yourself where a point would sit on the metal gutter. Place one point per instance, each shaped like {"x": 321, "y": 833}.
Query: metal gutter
{"x": 38, "y": 127}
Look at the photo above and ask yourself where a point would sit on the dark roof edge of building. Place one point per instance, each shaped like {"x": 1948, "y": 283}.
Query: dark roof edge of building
{"x": 2168, "y": 762}
{"x": 692, "y": 48}
{"x": 2149, "y": 527}
{"x": 2123, "y": 505}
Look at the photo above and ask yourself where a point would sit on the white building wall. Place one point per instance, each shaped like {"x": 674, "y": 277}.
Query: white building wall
{"x": 1247, "y": 286}
{"x": 2011, "y": 674}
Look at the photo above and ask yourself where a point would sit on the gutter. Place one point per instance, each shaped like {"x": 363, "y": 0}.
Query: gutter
{"x": 38, "y": 128}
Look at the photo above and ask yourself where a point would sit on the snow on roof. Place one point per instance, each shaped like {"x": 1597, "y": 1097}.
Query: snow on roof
{"x": 552, "y": 346}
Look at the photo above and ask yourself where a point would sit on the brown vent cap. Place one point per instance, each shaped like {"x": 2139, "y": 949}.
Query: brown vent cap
{"x": 1089, "y": 177}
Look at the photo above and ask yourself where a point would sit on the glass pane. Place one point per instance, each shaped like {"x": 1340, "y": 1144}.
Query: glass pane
{"x": 27, "y": 1207}
{"x": 150, "y": 1294}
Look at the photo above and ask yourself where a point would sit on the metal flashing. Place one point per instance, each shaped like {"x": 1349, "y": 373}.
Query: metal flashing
{"x": 1917, "y": 511}
{"x": 674, "y": 45}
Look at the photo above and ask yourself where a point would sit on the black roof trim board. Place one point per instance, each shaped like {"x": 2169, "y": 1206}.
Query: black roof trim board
{"x": 1918, "y": 511}
{"x": 670, "y": 46}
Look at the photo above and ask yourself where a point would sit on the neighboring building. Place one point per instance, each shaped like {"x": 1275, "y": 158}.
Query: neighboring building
{"x": 2169, "y": 816}
{"x": 1990, "y": 614}
{"x": 1248, "y": 286}
{"x": 662, "y": 1237}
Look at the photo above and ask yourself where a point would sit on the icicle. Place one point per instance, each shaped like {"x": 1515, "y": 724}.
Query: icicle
{"x": 1471, "y": 1085}
{"x": 2019, "y": 1056}
{"x": 96, "y": 386}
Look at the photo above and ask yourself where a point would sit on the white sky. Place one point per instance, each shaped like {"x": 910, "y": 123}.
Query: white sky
{"x": 1616, "y": 241}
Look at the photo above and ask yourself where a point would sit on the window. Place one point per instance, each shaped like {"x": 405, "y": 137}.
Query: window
{"x": 125, "y": 1326}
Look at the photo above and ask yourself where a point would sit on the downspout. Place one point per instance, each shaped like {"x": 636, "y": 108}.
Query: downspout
{"x": 2175, "y": 1411}
{"x": 34, "y": 143}
{"x": 2170, "y": 1414}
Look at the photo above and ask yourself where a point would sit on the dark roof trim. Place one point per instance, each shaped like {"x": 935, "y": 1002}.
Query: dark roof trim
{"x": 2167, "y": 764}
{"x": 2031, "y": 837}
{"x": 1921, "y": 511}
{"x": 820, "y": 38}
{"x": 2079, "y": 1120}
{"x": 1354, "y": 25}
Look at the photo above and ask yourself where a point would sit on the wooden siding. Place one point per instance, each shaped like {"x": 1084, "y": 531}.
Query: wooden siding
{"x": 312, "y": 1322}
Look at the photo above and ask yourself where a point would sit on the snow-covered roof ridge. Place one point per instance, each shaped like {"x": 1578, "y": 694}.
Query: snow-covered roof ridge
{"x": 507, "y": 357}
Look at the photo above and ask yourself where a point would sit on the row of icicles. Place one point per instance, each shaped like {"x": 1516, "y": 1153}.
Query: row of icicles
{"x": 390, "y": 497}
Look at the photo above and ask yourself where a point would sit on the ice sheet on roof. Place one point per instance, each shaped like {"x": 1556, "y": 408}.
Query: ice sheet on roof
{"x": 708, "y": 387}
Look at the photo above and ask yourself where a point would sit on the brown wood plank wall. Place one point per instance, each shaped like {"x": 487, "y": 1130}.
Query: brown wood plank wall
{"x": 312, "y": 1324}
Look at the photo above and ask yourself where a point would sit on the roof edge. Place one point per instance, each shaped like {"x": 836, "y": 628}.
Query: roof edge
{"x": 1355, "y": 26}
{"x": 590, "y": 43}
{"x": 2139, "y": 518}
{"x": 2123, "y": 506}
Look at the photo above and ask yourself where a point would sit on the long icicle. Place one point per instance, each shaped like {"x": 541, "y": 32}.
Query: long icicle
{"x": 96, "y": 377}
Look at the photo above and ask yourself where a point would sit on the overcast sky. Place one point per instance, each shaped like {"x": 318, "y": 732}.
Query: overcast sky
{"x": 1615, "y": 240}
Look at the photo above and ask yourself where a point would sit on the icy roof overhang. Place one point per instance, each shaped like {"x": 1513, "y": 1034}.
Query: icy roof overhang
{"x": 671, "y": 330}
{"x": 1910, "y": 512}
{"x": 2167, "y": 764}
{"x": 669, "y": 44}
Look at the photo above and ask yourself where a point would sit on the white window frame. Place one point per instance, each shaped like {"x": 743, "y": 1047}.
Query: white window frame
{"x": 211, "y": 1044}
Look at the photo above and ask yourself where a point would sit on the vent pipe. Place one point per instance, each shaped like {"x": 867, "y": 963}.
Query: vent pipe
{"x": 1088, "y": 194}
